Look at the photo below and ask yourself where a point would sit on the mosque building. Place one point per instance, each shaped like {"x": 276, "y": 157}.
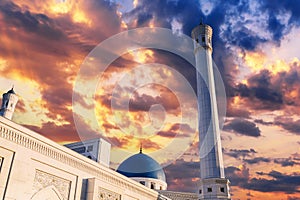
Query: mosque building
{"x": 36, "y": 168}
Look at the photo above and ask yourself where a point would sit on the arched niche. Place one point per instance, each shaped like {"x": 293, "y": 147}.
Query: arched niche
{"x": 48, "y": 193}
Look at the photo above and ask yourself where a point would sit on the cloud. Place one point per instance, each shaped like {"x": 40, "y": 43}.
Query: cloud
{"x": 243, "y": 127}
{"x": 237, "y": 153}
{"x": 293, "y": 198}
{"x": 65, "y": 132}
{"x": 120, "y": 141}
{"x": 149, "y": 144}
{"x": 237, "y": 176}
{"x": 288, "y": 124}
{"x": 177, "y": 130}
{"x": 260, "y": 121}
{"x": 287, "y": 183}
{"x": 260, "y": 92}
{"x": 257, "y": 160}
{"x": 58, "y": 133}
{"x": 286, "y": 162}
{"x": 144, "y": 102}
{"x": 271, "y": 90}
{"x": 236, "y": 112}
{"x": 183, "y": 175}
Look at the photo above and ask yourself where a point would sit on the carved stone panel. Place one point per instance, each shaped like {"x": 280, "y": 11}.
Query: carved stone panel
{"x": 43, "y": 180}
{"x": 104, "y": 194}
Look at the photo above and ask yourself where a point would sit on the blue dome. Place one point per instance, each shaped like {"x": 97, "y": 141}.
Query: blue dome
{"x": 141, "y": 165}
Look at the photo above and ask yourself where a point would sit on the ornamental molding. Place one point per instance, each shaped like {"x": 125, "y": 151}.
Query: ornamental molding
{"x": 104, "y": 194}
{"x": 179, "y": 195}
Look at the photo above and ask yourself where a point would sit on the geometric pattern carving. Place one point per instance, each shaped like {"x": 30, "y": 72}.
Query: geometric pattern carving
{"x": 104, "y": 194}
{"x": 179, "y": 195}
{"x": 43, "y": 180}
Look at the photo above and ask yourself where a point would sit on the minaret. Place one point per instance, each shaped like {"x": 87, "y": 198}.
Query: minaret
{"x": 213, "y": 184}
{"x": 9, "y": 102}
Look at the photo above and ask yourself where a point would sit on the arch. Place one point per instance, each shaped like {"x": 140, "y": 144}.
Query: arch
{"x": 47, "y": 193}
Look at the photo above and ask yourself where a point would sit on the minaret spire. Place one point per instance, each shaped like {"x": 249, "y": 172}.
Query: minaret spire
{"x": 9, "y": 102}
{"x": 213, "y": 184}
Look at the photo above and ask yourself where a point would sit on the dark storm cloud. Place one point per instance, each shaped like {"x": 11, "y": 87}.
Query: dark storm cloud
{"x": 243, "y": 127}
{"x": 286, "y": 162}
{"x": 260, "y": 89}
{"x": 172, "y": 134}
{"x": 288, "y": 124}
{"x": 237, "y": 176}
{"x": 37, "y": 24}
{"x": 293, "y": 198}
{"x": 65, "y": 132}
{"x": 240, "y": 30}
{"x": 44, "y": 47}
{"x": 184, "y": 127}
{"x": 278, "y": 7}
{"x": 268, "y": 91}
{"x": 260, "y": 121}
{"x": 149, "y": 144}
{"x": 237, "y": 153}
{"x": 177, "y": 130}
{"x": 247, "y": 156}
{"x": 144, "y": 102}
{"x": 235, "y": 24}
{"x": 180, "y": 174}
{"x": 287, "y": 183}
{"x": 186, "y": 12}
{"x": 120, "y": 141}
{"x": 235, "y": 112}
{"x": 257, "y": 160}
{"x": 62, "y": 133}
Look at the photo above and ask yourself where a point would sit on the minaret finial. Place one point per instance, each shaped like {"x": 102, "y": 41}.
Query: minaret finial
{"x": 201, "y": 21}
{"x": 141, "y": 148}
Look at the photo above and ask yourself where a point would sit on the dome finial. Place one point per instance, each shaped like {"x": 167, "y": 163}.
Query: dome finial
{"x": 141, "y": 148}
{"x": 201, "y": 21}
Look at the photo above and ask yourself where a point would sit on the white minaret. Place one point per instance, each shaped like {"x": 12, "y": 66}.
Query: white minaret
{"x": 9, "y": 102}
{"x": 213, "y": 184}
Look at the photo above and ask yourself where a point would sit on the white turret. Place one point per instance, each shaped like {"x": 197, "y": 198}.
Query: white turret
{"x": 9, "y": 102}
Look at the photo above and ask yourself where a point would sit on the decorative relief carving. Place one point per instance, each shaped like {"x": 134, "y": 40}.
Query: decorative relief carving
{"x": 43, "y": 180}
{"x": 179, "y": 195}
{"x": 104, "y": 194}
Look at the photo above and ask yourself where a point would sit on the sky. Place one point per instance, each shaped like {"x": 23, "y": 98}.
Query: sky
{"x": 146, "y": 96}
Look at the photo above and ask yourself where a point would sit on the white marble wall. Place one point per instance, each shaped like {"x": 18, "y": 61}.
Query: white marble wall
{"x": 33, "y": 166}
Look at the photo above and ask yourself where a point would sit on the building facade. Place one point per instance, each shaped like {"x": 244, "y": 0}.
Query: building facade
{"x": 34, "y": 167}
